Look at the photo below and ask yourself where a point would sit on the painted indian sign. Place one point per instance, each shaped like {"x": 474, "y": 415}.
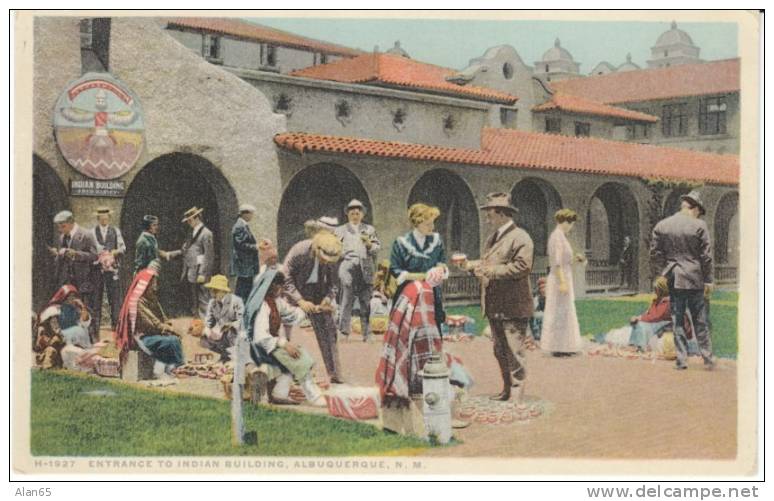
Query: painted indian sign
{"x": 99, "y": 126}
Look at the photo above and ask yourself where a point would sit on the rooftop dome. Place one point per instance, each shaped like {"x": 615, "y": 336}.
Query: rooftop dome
{"x": 398, "y": 51}
{"x": 628, "y": 65}
{"x": 557, "y": 53}
{"x": 673, "y": 36}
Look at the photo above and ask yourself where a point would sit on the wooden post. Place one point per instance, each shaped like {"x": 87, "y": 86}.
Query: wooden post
{"x": 237, "y": 418}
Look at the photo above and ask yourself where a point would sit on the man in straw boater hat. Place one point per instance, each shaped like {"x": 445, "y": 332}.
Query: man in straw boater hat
{"x": 110, "y": 249}
{"x": 198, "y": 260}
{"x": 356, "y": 271}
{"x": 311, "y": 278}
{"x": 223, "y": 319}
{"x": 74, "y": 257}
{"x": 680, "y": 248}
{"x": 245, "y": 252}
{"x": 506, "y": 294}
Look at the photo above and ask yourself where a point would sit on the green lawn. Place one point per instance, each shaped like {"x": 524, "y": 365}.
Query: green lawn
{"x": 66, "y": 421}
{"x": 601, "y": 315}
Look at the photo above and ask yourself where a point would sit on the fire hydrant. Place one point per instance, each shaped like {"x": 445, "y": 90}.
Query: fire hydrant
{"x": 436, "y": 407}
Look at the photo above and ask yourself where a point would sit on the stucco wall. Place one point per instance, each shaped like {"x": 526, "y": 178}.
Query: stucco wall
{"x": 575, "y": 191}
{"x": 313, "y": 110}
{"x": 189, "y": 106}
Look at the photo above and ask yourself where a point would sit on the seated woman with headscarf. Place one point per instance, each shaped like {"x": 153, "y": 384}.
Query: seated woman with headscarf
{"x": 644, "y": 330}
{"x": 74, "y": 317}
{"x": 265, "y": 314}
{"x": 48, "y": 339}
{"x": 412, "y": 338}
{"x": 142, "y": 323}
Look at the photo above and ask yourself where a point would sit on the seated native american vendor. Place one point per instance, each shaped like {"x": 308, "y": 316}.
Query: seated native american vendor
{"x": 142, "y": 320}
{"x": 223, "y": 319}
{"x": 265, "y": 314}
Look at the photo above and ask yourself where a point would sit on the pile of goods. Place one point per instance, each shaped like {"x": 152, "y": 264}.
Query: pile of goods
{"x": 376, "y": 324}
{"x": 482, "y": 410}
{"x": 458, "y": 328}
{"x": 203, "y": 366}
{"x": 352, "y": 402}
{"x": 662, "y": 348}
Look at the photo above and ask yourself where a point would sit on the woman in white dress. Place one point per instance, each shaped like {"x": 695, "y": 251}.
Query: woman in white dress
{"x": 561, "y": 332}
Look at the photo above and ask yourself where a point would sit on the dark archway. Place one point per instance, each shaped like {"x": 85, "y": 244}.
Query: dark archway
{"x": 614, "y": 214}
{"x": 49, "y": 196}
{"x": 318, "y": 190}
{"x": 167, "y": 187}
{"x": 672, "y": 202}
{"x": 458, "y": 222}
{"x": 727, "y": 229}
{"x": 537, "y": 202}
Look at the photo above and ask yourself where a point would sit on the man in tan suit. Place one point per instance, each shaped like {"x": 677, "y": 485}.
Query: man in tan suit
{"x": 506, "y": 294}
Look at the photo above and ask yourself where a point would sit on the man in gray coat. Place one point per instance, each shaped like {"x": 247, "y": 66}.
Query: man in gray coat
{"x": 198, "y": 260}
{"x": 680, "y": 247}
{"x": 75, "y": 254}
{"x": 356, "y": 272}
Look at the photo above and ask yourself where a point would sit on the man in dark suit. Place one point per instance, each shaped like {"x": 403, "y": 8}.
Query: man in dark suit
{"x": 198, "y": 260}
{"x": 311, "y": 284}
{"x": 506, "y": 294}
{"x": 75, "y": 255}
{"x": 680, "y": 247}
{"x": 244, "y": 264}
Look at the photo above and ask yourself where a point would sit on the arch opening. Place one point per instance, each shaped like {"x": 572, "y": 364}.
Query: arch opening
{"x": 166, "y": 187}
{"x": 458, "y": 223}
{"x": 537, "y": 201}
{"x": 317, "y": 190}
{"x": 612, "y": 215}
{"x": 49, "y": 196}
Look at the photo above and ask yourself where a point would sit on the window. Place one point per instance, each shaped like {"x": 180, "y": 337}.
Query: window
{"x": 323, "y": 58}
{"x": 86, "y": 39}
{"x": 507, "y": 71}
{"x": 508, "y": 117}
{"x": 712, "y": 115}
{"x": 211, "y": 47}
{"x": 271, "y": 55}
{"x": 449, "y": 123}
{"x": 553, "y": 125}
{"x": 674, "y": 120}
{"x": 666, "y": 53}
{"x": 638, "y": 131}
{"x": 546, "y": 68}
{"x": 582, "y": 129}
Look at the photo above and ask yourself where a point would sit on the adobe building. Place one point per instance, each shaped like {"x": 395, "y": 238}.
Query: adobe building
{"x": 323, "y": 124}
{"x": 207, "y": 139}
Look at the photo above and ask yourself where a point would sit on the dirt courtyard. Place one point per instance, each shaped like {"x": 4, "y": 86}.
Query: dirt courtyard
{"x": 599, "y": 407}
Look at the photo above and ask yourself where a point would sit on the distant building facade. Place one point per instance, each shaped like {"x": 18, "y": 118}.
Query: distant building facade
{"x": 299, "y": 135}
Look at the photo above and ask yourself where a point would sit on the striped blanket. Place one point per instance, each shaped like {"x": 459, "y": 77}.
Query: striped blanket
{"x": 411, "y": 339}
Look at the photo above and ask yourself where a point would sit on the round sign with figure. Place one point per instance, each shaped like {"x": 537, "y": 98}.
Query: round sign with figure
{"x": 99, "y": 126}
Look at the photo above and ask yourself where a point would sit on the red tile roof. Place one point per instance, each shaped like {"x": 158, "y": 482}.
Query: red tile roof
{"x": 250, "y": 31}
{"x": 392, "y": 70}
{"x": 716, "y": 77}
{"x": 530, "y": 150}
{"x": 574, "y": 104}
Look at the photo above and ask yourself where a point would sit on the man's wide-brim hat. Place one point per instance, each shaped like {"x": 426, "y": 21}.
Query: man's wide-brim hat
{"x": 355, "y": 204}
{"x": 192, "y": 212}
{"x": 694, "y": 198}
{"x": 499, "y": 201}
{"x": 218, "y": 283}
